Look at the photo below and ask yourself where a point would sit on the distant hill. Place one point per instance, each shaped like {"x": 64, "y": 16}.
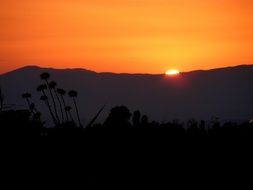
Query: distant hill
{"x": 226, "y": 93}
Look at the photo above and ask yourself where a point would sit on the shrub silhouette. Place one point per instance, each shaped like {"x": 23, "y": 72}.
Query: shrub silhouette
{"x": 59, "y": 94}
{"x": 118, "y": 117}
{"x": 136, "y": 118}
{"x": 144, "y": 121}
{"x": 49, "y": 87}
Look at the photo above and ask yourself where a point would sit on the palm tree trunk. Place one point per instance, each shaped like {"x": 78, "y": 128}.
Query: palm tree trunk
{"x": 77, "y": 113}
{"x": 54, "y": 104}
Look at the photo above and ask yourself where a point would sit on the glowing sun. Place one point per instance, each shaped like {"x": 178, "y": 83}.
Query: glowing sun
{"x": 172, "y": 72}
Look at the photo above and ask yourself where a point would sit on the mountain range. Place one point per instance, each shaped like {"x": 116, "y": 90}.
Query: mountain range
{"x": 224, "y": 93}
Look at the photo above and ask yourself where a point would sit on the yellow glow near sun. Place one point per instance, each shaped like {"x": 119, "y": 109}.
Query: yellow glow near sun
{"x": 172, "y": 72}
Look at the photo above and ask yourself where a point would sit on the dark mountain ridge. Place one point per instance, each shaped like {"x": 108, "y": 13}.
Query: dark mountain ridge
{"x": 226, "y": 93}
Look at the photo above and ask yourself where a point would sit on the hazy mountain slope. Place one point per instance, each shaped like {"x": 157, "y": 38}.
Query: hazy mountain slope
{"x": 226, "y": 93}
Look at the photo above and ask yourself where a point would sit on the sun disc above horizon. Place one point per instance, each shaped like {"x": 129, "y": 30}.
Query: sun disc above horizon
{"x": 172, "y": 72}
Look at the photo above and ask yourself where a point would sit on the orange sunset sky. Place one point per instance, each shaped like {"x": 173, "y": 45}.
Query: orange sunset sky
{"x": 134, "y": 36}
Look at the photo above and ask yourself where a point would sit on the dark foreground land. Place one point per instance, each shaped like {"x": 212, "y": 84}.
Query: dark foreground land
{"x": 122, "y": 154}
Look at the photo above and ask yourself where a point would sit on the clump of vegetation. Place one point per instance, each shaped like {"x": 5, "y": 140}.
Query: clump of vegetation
{"x": 55, "y": 100}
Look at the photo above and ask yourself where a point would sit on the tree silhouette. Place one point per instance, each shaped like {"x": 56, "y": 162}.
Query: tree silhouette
{"x": 136, "y": 118}
{"x": 73, "y": 94}
{"x": 62, "y": 93}
{"x": 52, "y": 86}
{"x": 118, "y": 117}
{"x": 144, "y": 121}
{"x": 42, "y": 88}
{"x": 45, "y": 76}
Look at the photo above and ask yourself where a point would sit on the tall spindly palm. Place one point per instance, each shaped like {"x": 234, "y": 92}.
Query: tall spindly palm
{"x": 73, "y": 94}
{"x": 52, "y": 85}
{"x": 45, "y": 76}
{"x": 42, "y": 88}
{"x": 62, "y": 93}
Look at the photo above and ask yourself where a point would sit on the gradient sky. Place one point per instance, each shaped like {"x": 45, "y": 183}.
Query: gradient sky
{"x": 135, "y": 36}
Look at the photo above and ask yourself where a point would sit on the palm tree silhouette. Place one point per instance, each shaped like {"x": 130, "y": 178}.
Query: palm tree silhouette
{"x": 42, "y": 88}
{"x": 45, "y": 76}
{"x": 52, "y": 85}
{"x": 73, "y": 94}
{"x": 62, "y": 93}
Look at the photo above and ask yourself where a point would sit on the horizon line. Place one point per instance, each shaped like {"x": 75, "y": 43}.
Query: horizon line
{"x": 120, "y": 73}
